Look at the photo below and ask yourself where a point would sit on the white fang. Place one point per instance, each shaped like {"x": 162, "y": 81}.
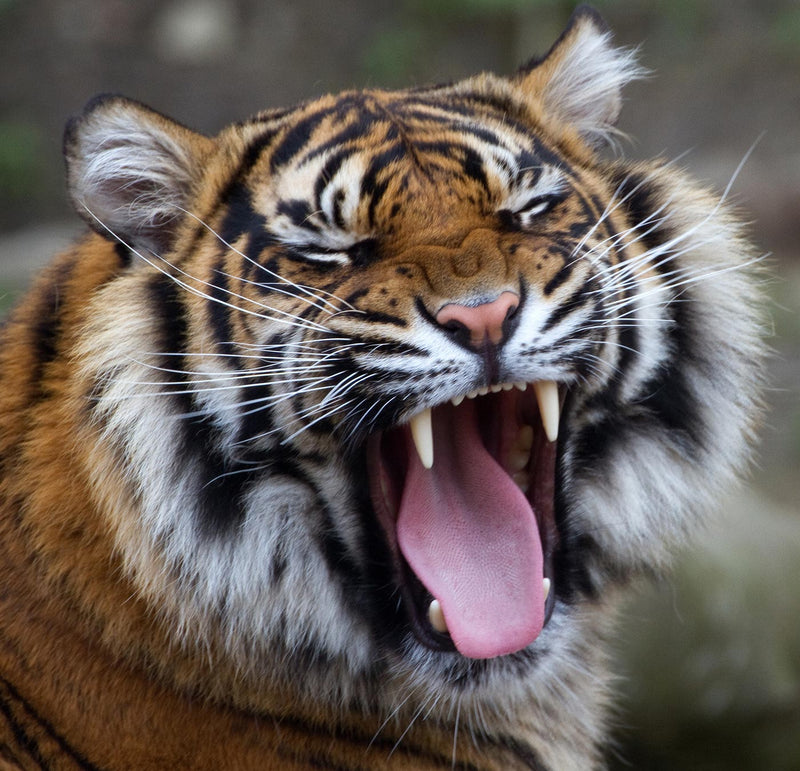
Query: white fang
{"x": 422, "y": 433}
{"x": 436, "y": 617}
{"x": 549, "y": 408}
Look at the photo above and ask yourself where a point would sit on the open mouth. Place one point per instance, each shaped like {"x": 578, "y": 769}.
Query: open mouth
{"x": 464, "y": 493}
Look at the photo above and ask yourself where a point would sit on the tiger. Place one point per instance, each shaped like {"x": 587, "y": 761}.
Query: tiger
{"x": 338, "y": 438}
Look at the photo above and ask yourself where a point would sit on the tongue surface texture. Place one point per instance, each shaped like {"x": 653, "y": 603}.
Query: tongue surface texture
{"x": 469, "y": 534}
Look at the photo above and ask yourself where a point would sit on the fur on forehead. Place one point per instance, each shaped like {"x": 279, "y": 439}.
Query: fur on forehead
{"x": 132, "y": 171}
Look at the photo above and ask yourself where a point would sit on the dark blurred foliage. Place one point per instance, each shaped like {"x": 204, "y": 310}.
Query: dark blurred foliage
{"x": 726, "y": 71}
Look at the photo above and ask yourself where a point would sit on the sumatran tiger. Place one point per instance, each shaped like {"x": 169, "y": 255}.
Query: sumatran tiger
{"x": 333, "y": 442}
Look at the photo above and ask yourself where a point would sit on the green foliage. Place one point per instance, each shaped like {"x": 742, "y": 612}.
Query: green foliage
{"x": 462, "y": 8}
{"x": 20, "y": 154}
{"x": 786, "y": 31}
{"x": 388, "y": 60}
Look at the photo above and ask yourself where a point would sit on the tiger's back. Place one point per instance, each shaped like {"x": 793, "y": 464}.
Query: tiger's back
{"x": 335, "y": 442}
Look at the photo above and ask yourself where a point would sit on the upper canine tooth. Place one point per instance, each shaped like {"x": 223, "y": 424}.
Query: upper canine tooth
{"x": 422, "y": 434}
{"x": 549, "y": 407}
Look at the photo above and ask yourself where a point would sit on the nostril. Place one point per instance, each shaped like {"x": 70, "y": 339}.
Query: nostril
{"x": 473, "y": 325}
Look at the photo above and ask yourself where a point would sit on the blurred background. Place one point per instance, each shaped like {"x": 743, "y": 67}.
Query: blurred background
{"x": 709, "y": 661}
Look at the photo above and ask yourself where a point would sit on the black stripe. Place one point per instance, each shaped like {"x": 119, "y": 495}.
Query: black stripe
{"x": 220, "y": 493}
{"x": 229, "y": 195}
{"x": 124, "y": 254}
{"x": 576, "y": 300}
{"x": 165, "y": 301}
{"x": 221, "y": 485}
{"x": 559, "y": 250}
{"x": 637, "y": 193}
{"x": 255, "y": 420}
{"x": 296, "y": 138}
{"x": 576, "y": 553}
{"x": 328, "y": 172}
{"x": 523, "y": 752}
{"x": 376, "y": 317}
{"x": 668, "y": 394}
{"x": 394, "y": 153}
{"x": 46, "y": 329}
{"x": 472, "y": 163}
{"x": 298, "y": 212}
{"x": 28, "y": 742}
{"x": 241, "y": 218}
{"x": 364, "y": 253}
{"x": 333, "y": 548}
{"x": 217, "y": 310}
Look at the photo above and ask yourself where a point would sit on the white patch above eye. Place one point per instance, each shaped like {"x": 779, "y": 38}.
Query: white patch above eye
{"x": 330, "y": 227}
{"x": 335, "y": 258}
{"x": 534, "y": 191}
{"x": 539, "y": 206}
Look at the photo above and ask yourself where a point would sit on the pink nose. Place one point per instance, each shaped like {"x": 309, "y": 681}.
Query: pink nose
{"x": 482, "y": 322}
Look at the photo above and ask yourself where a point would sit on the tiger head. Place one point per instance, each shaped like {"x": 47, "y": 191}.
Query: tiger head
{"x": 403, "y": 385}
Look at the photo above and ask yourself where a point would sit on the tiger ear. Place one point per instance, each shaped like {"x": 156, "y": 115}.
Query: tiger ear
{"x": 580, "y": 79}
{"x": 130, "y": 170}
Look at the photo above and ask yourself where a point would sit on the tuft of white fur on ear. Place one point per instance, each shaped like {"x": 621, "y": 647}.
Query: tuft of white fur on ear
{"x": 130, "y": 170}
{"x": 580, "y": 80}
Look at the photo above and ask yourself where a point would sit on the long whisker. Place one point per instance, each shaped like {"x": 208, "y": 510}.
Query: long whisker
{"x": 307, "y": 290}
{"x": 283, "y": 317}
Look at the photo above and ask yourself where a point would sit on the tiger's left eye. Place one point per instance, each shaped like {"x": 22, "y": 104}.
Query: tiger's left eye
{"x": 525, "y": 215}
{"x": 539, "y": 205}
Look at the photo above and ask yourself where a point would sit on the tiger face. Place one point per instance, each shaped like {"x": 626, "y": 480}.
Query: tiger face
{"x": 390, "y": 392}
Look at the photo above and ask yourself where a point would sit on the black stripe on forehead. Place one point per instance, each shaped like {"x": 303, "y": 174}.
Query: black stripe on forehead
{"x": 347, "y": 109}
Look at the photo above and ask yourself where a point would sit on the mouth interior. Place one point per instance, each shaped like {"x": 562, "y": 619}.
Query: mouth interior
{"x": 464, "y": 532}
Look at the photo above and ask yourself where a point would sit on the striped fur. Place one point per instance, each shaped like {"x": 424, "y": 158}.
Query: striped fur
{"x": 193, "y": 570}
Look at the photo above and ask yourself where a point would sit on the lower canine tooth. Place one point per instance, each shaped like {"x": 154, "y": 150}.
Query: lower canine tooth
{"x": 436, "y": 617}
{"x": 422, "y": 434}
{"x": 546, "y": 587}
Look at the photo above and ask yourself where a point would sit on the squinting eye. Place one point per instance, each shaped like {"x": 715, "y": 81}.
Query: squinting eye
{"x": 525, "y": 215}
{"x": 326, "y": 257}
{"x": 318, "y": 256}
{"x": 538, "y": 206}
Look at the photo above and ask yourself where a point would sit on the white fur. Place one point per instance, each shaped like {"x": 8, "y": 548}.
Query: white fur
{"x": 585, "y": 88}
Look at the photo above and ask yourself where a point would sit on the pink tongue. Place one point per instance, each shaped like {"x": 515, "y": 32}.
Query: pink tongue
{"x": 470, "y": 536}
